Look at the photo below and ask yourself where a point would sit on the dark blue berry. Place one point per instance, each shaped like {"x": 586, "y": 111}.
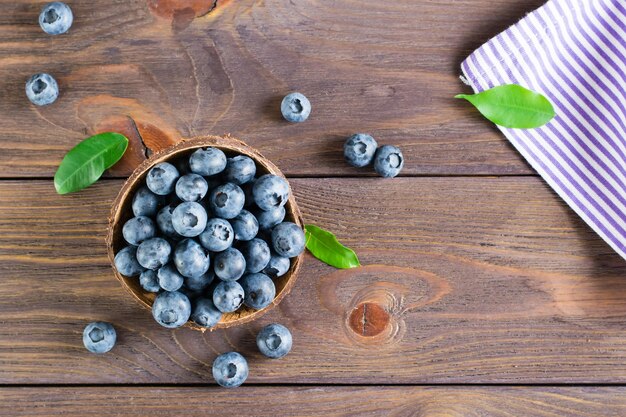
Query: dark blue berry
{"x": 191, "y": 259}
{"x": 149, "y": 281}
{"x": 189, "y": 219}
{"x": 256, "y": 253}
{"x": 228, "y": 296}
{"x": 99, "y": 337}
{"x": 274, "y": 341}
{"x": 146, "y": 203}
{"x": 259, "y": 290}
{"x": 207, "y": 162}
{"x": 204, "y": 313}
{"x": 218, "y": 235}
{"x": 42, "y": 89}
{"x": 126, "y": 262}
{"x": 191, "y": 187}
{"x": 295, "y": 107}
{"x": 229, "y": 265}
{"x": 138, "y": 229}
{"x": 270, "y": 218}
{"x": 240, "y": 170}
{"x": 226, "y": 201}
{"x": 359, "y": 150}
{"x": 247, "y": 191}
{"x": 56, "y": 18}
{"x": 288, "y": 239}
{"x": 245, "y": 226}
{"x": 171, "y": 309}
{"x": 200, "y": 283}
{"x": 164, "y": 221}
{"x": 230, "y": 370}
{"x": 169, "y": 278}
{"x": 270, "y": 191}
{"x": 153, "y": 253}
{"x": 277, "y": 266}
{"x": 161, "y": 178}
{"x": 388, "y": 161}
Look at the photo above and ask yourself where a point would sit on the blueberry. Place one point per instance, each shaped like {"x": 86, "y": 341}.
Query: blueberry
{"x": 208, "y": 161}
{"x": 161, "y": 178}
{"x": 230, "y": 369}
{"x": 126, "y": 262}
{"x": 270, "y": 191}
{"x": 388, "y": 161}
{"x": 274, "y": 341}
{"x": 200, "y": 283}
{"x": 169, "y": 278}
{"x": 56, "y": 18}
{"x": 270, "y": 218}
{"x": 247, "y": 191}
{"x": 191, "y": 259}
{"x": 288, "y": 239}
{"x": 240, "y": 170}
{"x": 228, "y": 296}
{"x": 164, "y": 221}
{"x": 259, "y": 290}
{"x": 153, "y": 253}
{"x": 204, "y": 313}
{"x": 245, "y": 225}
{"x": 278, "y": 266}
{"x": 295, "y": 107}
{"x": 189, "y": 219}
{"x": 359, "y": 150}
{"x": 146, "y": 203}
{"x": 191, "y": 187}
{"x": 256, "y": 253}
{"x": 42, "y": 89}
{"x": 99, "y": 337}
{"x": 218, "y": 235}
{"x": 226, "y": 201}
{"x": 229, "y": 265}
{"x": 171, "y": 309}
{"x": 149, "y": 281}
{"x": 138, "y": 229}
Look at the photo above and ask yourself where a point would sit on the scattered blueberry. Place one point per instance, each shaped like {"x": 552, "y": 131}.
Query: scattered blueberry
{"x": 164, "y": 221}
{"x": 274, "y": 341}
{"x": 278, "y": 266}
{"x": 191, "y": 259}
{"x": 204, "y": 313}
{"x": 169, "y": 278}
{"x": 230, "y": 369}
{"x": 270, "y": 191}
{"x": 245, "y": 226}
{"x": 270, "y": 218}
{"x": 126, "y": 262}
{"x": 295, "y": 107}
{"x": 208, "y": 161}
{"x": 146, "y": 203}
{"x": 138, "y": 229}
{"x": 149, "y": 281}
{"x": 240, "y": 169}
{"x": 56, "y": 18}
{"x": 229, "y": 265}
{"x": 259, "y": 290}
{"x": 171, "y": 309}
{"x": 200, "y": 283}
{"x": 42, "y": 89}
{"x": 256, "y": 252}
{"x": 228, "y": 296}
{"x": 227, "y": 200}
{"x": 189, "y": 219}
{"x": 191, "y": 187}
{"x": 388, "y": 161}
{"x": 99, "y": 337}
{"x": 218, "y": 235}
{"x": 359, "y": 150}
{"x": 288, "y": 239}
{"x": 153, "y": 253}
{"x": 161, "y": 178}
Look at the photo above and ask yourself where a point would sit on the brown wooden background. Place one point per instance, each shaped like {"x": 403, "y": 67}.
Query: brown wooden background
{"x": 481, "y": 294}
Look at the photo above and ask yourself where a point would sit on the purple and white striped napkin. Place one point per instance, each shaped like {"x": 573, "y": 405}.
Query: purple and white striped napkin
{"x": 574, "y": 53}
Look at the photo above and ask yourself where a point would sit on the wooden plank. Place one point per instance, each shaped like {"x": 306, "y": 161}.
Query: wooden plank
{"x": 388, "y": 68}
{"x": 318, "y": 401}
{"x": 465, "y": 280}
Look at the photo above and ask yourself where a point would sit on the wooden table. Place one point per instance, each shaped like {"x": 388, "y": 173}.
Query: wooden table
{"x": 481, "y": 293}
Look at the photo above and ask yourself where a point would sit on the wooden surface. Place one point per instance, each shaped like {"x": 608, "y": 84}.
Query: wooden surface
{"x": 481, "y": 293}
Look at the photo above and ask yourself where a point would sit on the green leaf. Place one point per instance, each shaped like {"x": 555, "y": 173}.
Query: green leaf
{"x": 512, "y": 106}
{"x": 325, "y": 247}
{"x": 85, "y": 163}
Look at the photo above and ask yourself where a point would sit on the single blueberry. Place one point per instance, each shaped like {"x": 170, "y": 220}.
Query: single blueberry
{"x": 200, "y": 283}
{"x": 164, "y": 221}
{"x": 388, "y": 161}
{"x": 270, "y": 218}
{"x": 226, "y": 201}
{"x": 259, "y": 290}
{"x": 171, "y": 309}
{"x": 245, "y": 226}
{"x": 247, "y": 191}
{"x": 138, "y": 229}
{"x": 207, "y": 162}
{"x": 149, "y": 281}
{"x": 99, "y": 337}
{"x": 240, "y": 170}
{"x": 228, "y": 296}
{"x": 278, "y": 266}
{"x": 274, "y": 341}
{"x": 204, "y": 313}
{"x": 126, "y": 262}
{"x": 42, "y": 89}
{"x": 191, "y": 187}
{"x": 256, "y": 252}
{"x": 189, "y": 219}
{"x": 270, "y": 191}
{"x": 161, "y": 178}
{"x": 153, "y": 253}
{"x": 229, "y": 265}
{"x": 56, "y": 18}
{"x": 288, "y": 239}
{"x": 230, "y": 369}
{"x": 359, "y": 150}
{"x": 295, "y": 107}
{"x": 218, "y": 235}
{"x": 146, "y": 203}
{"x": 191, "y": 259}
{"x": 169, "y": 278}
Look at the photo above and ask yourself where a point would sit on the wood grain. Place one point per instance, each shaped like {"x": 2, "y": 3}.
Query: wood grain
{"x": 161, "y": 69}
{"x": 465, "y": 280}
{"x": 319, "y": 401}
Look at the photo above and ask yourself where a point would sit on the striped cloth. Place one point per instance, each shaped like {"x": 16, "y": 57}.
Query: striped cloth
{"x": 573, "y": 52}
